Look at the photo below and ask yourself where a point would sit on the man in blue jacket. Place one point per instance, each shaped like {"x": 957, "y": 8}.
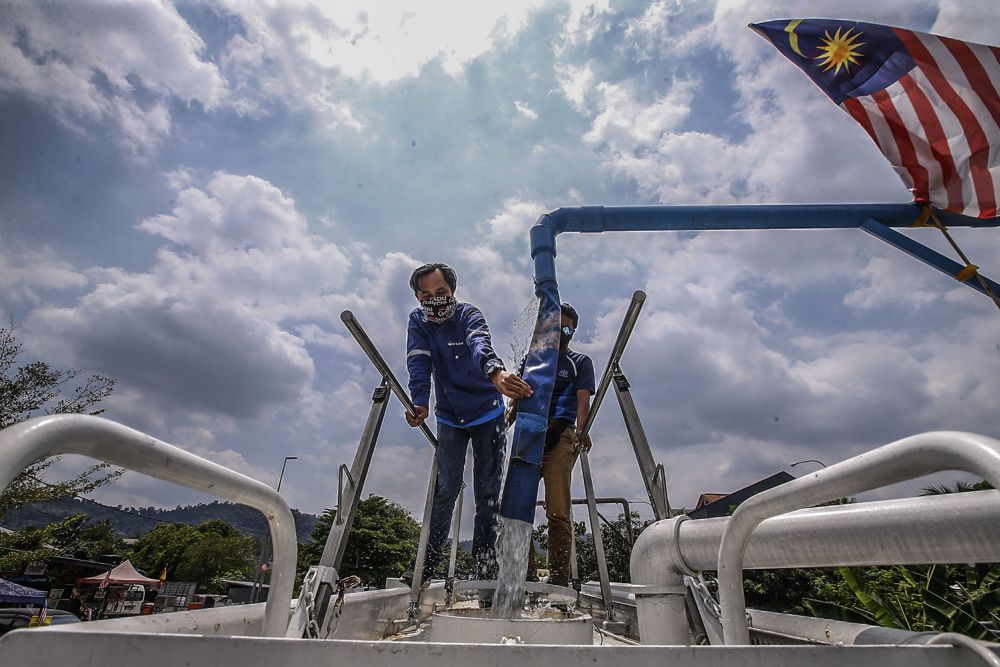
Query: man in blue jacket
{"x": 451, "y": 342}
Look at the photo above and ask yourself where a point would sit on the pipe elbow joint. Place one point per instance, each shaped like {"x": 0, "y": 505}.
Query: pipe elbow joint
{"x": 656, "y": 556}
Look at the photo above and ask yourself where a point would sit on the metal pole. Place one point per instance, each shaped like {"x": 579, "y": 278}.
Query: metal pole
{"x": 656, "y": 484}
{"x": 595, "y": 530}
{"x": 456, "y": 527}
{"x": 368, "y": 347}
{"x": 425, "y": 531}
{"x": 628, "y": 324}
{"x": 265, "y": 552}
{"x": 336, "y": 542}
{"x": 574, "y": 566}
{"x": 626, "y": 510}
{"x": 282, "y": 475}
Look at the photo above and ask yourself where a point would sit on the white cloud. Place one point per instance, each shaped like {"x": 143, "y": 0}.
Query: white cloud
{"x": 969, "y": 20}
{"x": 135, "y": 58}
{"x": 315, "y": 54}
{"x": 25, "y": 273}
{"x": 525, "y": 110}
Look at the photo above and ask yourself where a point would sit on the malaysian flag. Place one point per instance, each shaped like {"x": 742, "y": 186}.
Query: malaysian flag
{"x": 930, "y": 103}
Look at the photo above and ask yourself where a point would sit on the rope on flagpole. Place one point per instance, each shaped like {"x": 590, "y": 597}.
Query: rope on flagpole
{"x": 929, "y": 219}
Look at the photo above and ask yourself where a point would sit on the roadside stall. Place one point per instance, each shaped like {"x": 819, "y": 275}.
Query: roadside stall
{"x": 120, "y": 592}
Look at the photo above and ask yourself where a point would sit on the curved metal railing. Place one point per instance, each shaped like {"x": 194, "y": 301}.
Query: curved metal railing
{"x": 105, "y": 440}
{"x": 898, "y": 461}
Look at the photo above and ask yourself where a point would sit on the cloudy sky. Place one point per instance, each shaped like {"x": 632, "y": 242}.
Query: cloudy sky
{"x": 191, "y": 193}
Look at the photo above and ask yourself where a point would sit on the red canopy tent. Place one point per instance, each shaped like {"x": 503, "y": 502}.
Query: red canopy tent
{"x": 124, "y": 573}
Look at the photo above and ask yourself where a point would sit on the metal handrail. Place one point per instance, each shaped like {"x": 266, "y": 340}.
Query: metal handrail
{"x": 898, "y": 461}
{"x": 628, "y": 324}
{"x": 102, "y": 439}
{"x": 368, "y": 347}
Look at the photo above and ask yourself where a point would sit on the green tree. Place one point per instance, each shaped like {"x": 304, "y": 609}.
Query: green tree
{"x": 37, "y": 388}
{"x": 381, "y": 544}
{"x": 617, "y": 547}
{"x": 206, "y": 553}
{"x": 72, "y": 536}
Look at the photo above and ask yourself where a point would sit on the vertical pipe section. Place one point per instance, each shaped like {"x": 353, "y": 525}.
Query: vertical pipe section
{"x": 528, "y": 444}
{"x": 658, "y": 584}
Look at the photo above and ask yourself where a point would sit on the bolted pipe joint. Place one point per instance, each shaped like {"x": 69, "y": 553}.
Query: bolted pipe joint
{"x": 658, "y": 570}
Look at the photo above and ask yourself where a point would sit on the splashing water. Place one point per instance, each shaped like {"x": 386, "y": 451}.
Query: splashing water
{"x": 521, "y": 332}
{"x": 512, "y": 559}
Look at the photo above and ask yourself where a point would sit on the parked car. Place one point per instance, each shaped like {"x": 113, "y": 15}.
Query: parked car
{"x": 20, "y": 617}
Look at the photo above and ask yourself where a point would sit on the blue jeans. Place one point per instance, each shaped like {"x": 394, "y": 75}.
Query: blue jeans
{"x": 489, "y": 445}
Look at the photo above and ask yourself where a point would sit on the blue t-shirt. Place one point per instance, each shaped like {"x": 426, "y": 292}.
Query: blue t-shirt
{"x": 574, "y": 373}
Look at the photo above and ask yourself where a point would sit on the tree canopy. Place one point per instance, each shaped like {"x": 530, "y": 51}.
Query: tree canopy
{"x": 382, "y": 542}
{"x": 206, "y": 553}
{"x": 27, "y": 390}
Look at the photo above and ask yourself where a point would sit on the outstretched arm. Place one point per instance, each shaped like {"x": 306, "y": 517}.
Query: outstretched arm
{"x": 477, "y": 335}
{"x": 418, "y": 365}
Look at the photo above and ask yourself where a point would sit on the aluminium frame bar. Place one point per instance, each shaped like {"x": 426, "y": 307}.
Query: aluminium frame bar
{"x": 368, "y": 347}
{"x": 653, "y": 474}
{"x": 929, "y": 257}
{"x": 336, "y": 542}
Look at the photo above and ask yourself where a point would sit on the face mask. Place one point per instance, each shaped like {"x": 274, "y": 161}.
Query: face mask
{"x": 438, "y": 309}
{"x": 566, "y": 334}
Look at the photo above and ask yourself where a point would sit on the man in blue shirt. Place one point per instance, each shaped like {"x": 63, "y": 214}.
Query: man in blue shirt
{"x": 450, "y": 342}
{"x": 574, "y": 385}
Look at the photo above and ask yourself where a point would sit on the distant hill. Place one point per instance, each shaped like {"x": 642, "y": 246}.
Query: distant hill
{"x": 136, "y": 521}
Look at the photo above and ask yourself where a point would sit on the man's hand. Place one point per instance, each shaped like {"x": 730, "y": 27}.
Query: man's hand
{"x": 586, "y": 444}
{"x": 511, "y": 385}
{"x": 417, "y": 419}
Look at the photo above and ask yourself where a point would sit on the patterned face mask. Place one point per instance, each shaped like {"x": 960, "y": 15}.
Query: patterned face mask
{"x": 566, "y": 335}
{"x": 438, "y": 309}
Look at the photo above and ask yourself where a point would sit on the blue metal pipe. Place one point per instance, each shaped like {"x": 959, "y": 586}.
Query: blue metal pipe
{"x": 527, "y": 447}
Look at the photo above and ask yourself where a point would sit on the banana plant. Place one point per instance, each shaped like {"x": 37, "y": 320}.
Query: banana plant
{"x": 939, "y": 598}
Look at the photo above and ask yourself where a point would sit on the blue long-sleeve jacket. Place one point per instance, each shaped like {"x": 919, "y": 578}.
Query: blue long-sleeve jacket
{"x": 459, "y": 353}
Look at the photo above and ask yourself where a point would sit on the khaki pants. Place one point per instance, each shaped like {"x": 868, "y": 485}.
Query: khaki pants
{"x": 557, "y": 472}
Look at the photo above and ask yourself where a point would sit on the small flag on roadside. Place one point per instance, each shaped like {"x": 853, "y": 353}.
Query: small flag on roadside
{"x": 930, "y": 103}
{"x": 43, "y": 614}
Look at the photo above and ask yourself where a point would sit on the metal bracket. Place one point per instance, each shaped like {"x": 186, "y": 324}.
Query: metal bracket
{"x": 304, "y": 621}
{"x": 924, "y": 254}
{"x": 340, "y": 490}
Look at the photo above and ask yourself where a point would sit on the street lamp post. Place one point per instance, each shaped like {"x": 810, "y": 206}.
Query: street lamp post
{"x": 283, "y": 464}
{"x": 792, "y": 465}
{"x": 258, "y": 579}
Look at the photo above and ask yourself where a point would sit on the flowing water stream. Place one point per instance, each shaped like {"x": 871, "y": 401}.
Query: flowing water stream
{"x": 512, "y": 559}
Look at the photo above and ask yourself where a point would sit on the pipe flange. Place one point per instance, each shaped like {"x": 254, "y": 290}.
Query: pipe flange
{"x": 658, "y": 591}
{"x": 676, "y": 545}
